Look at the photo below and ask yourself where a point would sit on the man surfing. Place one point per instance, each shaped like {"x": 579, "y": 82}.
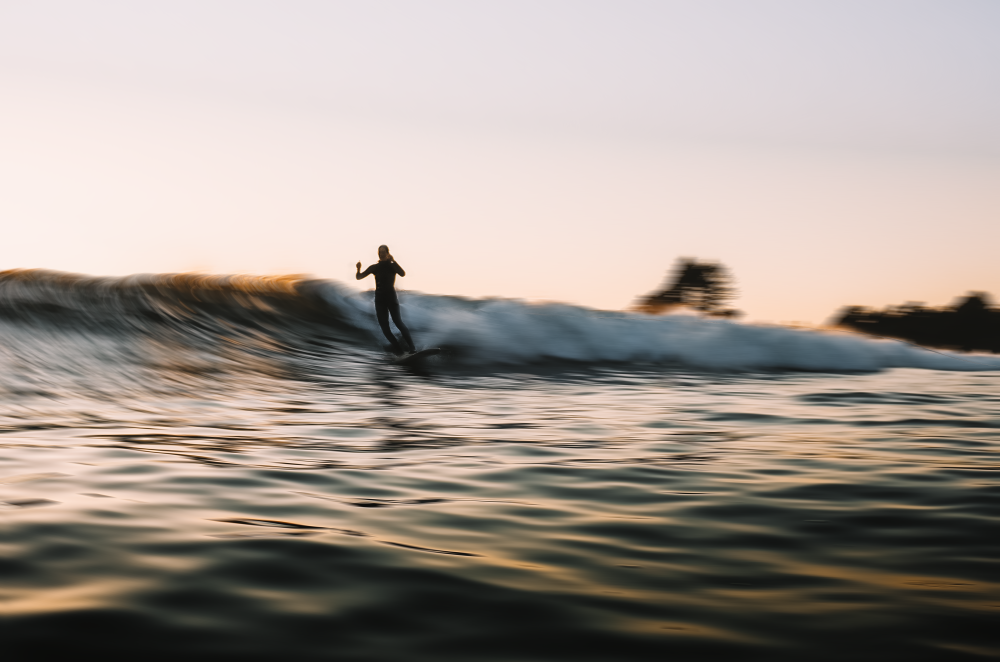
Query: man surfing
{"x": 385, "y": 271}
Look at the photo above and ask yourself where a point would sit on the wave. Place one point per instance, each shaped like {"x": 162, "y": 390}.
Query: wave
{"x": 291, "y": 310}
{"x": 516, "y": 332}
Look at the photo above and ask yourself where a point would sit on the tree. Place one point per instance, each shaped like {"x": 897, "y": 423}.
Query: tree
{"x": 971, "y": 323}
{"x": 703, "y": 286}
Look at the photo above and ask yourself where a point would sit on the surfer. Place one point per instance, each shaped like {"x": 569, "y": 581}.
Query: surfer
{"x": 386, "y": 304}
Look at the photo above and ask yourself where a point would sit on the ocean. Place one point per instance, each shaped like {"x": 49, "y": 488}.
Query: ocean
{"x": 230, "y": 468}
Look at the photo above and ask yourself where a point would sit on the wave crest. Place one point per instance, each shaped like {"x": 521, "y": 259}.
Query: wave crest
{"x": 288, "y": 309}
{"x": 514, "y": 332}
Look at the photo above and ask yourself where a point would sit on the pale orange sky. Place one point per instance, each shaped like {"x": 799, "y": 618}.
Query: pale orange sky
{"x": 528, "y": 158}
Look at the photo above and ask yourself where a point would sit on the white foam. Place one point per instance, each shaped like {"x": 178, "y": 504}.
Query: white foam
{"x": 506, "y": 331}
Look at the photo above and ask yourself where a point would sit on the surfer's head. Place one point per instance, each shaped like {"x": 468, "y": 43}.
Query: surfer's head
{"x": 383, "y": 253}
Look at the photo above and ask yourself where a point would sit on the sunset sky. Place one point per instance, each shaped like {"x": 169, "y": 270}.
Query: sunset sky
{"x": 828, "y": 152}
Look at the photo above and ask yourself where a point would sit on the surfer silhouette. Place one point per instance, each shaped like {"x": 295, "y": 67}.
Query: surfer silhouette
{"x": 385, "y": 271}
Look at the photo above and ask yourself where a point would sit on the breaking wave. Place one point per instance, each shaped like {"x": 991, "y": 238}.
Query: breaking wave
{"x": 296, "y": 311}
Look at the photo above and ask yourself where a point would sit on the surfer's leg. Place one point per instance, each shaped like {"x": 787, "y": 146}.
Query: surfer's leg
{"x": 403, "y": 331}
{"x": 382, "y": 313}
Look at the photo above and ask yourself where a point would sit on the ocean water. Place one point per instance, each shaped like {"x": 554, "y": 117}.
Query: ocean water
{"x": 231, "y": 469}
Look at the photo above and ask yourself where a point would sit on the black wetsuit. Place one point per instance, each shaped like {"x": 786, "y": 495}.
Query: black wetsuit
{"x": 385, "y": 301}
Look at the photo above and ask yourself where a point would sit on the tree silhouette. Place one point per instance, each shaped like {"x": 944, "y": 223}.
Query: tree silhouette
{"x": 703, "y": 286}
{"x": 969, "y": 324}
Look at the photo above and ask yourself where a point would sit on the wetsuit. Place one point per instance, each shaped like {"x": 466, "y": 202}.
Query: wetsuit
{"x": 385, "y": 301}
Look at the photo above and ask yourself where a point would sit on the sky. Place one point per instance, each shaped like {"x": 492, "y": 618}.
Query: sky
{"x": 829, "y": 152}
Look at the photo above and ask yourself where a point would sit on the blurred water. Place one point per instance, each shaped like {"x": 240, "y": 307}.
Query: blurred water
{"x": 213, "y": 484}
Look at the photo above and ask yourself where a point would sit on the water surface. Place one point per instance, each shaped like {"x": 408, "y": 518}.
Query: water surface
{"x": 248, "y": 482}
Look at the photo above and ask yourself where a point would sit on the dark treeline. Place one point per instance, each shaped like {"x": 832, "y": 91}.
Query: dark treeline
{"x": 970, "y": 324}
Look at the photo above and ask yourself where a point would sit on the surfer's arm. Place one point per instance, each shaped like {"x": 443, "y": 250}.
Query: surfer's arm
{"x": 399, "y": 269}
{"x": 362, "y": 274}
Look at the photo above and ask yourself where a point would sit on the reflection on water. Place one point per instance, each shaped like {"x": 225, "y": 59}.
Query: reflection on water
{"x": 252, "y": 494}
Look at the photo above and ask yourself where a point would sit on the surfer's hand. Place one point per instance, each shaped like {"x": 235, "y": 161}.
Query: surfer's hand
{"x": 359, "y": 266}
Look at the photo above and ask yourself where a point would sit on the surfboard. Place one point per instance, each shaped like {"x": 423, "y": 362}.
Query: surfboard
{"x": 416, "y": 357}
